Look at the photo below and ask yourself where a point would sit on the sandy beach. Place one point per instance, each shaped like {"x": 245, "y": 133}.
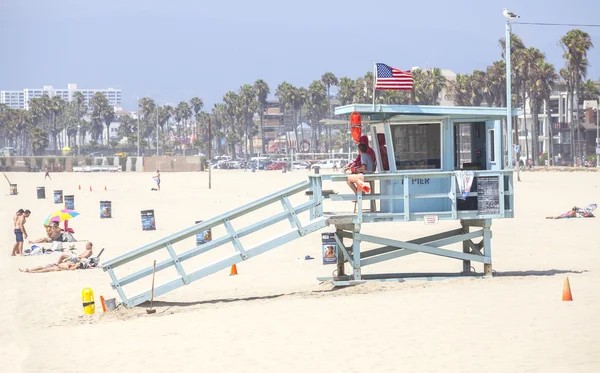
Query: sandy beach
{"x": 275, "y": 315}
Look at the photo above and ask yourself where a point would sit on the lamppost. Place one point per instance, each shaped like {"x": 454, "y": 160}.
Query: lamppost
{"x": 509, "y": 130}
{"x": 598, "y": 134}
{"x": 138, "y": 126}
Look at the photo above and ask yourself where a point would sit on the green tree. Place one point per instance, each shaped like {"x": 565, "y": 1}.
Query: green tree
{"x": 101, "y": 111}
{"x": 329, "y": 79}
{"x": 262, "y": 92}
{"x": 39, "y": 140}
{"x": 576, "y": 44}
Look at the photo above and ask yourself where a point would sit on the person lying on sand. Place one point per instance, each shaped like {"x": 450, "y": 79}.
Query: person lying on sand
{"x": 68, "y": 266}
{"x": 569, "y": 214}
{"x": 74, "y": 258}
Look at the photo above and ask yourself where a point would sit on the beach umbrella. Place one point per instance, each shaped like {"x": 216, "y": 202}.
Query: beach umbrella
{"x": 61, "y": 215}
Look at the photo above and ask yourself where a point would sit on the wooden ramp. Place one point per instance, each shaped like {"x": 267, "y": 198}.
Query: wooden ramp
{"x": 185, "y": 276}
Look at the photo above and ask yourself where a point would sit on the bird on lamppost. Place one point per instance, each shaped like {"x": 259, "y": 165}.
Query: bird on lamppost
{"x": 509, "y": 15}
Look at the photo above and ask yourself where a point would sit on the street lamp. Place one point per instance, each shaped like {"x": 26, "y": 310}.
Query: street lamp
{"x": 138, "y": 126}
{"x": 509, "y": 130}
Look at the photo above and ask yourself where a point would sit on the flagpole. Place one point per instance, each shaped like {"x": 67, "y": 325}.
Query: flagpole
{"x": 374, "y": 82}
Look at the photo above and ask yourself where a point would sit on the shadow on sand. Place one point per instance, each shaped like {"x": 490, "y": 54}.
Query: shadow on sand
{"x": 162, "y": 304}
{"x": 546, "y": 272}
{"x": 158, "y": 303}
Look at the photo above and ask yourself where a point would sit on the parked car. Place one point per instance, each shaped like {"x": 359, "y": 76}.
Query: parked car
{"x": 276, "y": 166}
{"x": 325, "y": 164}
{"x": 300, "y": 165}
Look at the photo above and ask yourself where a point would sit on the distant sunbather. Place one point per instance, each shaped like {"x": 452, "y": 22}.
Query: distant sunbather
{"x": 576, "y": 212}
{"x": 68, "y": 266}
{"x": 569, "y": 214}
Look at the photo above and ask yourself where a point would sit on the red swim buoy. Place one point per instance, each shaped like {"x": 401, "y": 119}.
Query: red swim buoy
{"x": 355, "y": 126}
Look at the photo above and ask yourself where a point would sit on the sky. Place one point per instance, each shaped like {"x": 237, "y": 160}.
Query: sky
{"x": 174, "y": 50}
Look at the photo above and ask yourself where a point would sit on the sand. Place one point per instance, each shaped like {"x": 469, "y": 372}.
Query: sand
{"x": 275, "y": 316}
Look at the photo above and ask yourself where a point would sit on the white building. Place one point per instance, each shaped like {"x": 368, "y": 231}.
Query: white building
{"x": 13, "y": 99}
{"x": 20, "y": 99}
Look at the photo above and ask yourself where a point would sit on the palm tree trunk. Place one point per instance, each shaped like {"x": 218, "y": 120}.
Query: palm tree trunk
{"x": 534, "y": 135}
{"x": 301, "y": 132}
{"x": 572, "y": 130}
{"x": 549, "y": 134}
{"x": 579, "y": 147}
{"x": 262, "y": 132}
{"x": 525, "y": 123}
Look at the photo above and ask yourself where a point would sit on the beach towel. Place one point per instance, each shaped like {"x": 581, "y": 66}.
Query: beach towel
{"x": 464, "y": 180}
{"x": 586, "y": 212}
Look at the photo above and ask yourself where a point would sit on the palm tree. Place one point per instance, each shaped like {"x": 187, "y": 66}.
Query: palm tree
{"x": 437, "y": 82}
{"x": 108, "y": 116}
{"x": 329, "y": 80}
{"x": 57, "y": 105}
{"x": 197, "y": 105}
{"x": 100, "y": 108}
{"x": 541, "y": 78}
{"x": 248, "y": 97}
{"x": 461, "y": 90}
{"x": 184, "y": 112}
{"x": 316, "y": 109}
{"x": 285, "y": 95}
{"x": 126, "y": 129}
{"x": 347, "y": 90}
{"x": 165, "y": 113}
{"x": 527, "y": 62}
{"x": 589, "y": 90}
{"x": 262, "y": 92}
{"x": 576, "y": 44}
{"x": 39, "y": 140}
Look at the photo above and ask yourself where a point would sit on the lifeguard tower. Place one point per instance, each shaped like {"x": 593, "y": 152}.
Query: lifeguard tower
{"x": 427, "y": 149}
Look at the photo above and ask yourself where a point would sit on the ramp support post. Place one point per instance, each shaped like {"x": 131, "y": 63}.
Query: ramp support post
{"x": 487, "y": 247}
{"x": 356, "y": 274}
{"x": 466, "y": 248}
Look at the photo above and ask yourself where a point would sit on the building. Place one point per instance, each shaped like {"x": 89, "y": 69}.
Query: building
{"x": 554, "y": 122}
{"x": 13, "y": 99}
{"x": 20, "y": 99}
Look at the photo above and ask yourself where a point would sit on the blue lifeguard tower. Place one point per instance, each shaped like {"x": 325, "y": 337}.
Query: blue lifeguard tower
{"x": 427, "y": 148}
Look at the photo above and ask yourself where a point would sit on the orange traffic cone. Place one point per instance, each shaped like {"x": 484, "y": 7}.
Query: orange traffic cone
{"x": 233, "y": 270}
{"x": 105, "y": 187}
{"x": 79, "y": 186}
{"x": 567, "y": 296}
{"x": 90, "y": 188}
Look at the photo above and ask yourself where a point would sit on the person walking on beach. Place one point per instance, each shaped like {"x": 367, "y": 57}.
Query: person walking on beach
{"x": 20, "y": 233}
{"x": 157, "y": 179}
{"x": 47, "y": 173}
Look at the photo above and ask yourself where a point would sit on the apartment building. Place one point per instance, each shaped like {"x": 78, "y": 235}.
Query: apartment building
{"x": 20, "y": 99}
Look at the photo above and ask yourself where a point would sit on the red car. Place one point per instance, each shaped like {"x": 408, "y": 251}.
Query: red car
{"x": 276, "y": 166}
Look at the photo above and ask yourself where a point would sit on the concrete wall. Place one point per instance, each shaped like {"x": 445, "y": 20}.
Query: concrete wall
{"x": 172, "y": 164}
{"x": 129, "y": 164}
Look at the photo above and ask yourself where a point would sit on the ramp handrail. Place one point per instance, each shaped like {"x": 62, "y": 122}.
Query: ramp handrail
{"x": 290, "y": 213}
{"x": 200, "y": 227}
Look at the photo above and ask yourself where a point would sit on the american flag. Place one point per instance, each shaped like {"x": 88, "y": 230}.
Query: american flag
{"x": 389, "y": 78}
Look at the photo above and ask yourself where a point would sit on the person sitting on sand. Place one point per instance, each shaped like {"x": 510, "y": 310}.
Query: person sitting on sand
{"x": 74, "y": 258}
{"x": 48, "y": 237}
{"x": 53, "y": 267}
{"x": 569, "y": 214}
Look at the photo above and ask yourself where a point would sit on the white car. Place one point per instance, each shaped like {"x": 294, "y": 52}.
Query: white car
{"x": 300, "y": 166}
{"x": 325, "y": 164}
